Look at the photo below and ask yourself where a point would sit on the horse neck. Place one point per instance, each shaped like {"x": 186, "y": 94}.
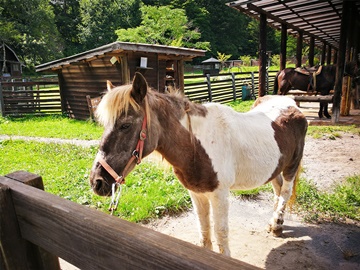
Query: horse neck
{"x": 183, "y": 150}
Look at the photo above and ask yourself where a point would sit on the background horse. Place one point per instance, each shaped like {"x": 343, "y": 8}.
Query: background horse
{"x": 289, "y": 78}
{"x": 211, "y": 147}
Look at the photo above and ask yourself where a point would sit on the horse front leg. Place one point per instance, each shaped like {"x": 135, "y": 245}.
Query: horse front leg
{"x": 321, "y": 109}
{"x": 201, "y": 206}
{"x": 220, "y": 209}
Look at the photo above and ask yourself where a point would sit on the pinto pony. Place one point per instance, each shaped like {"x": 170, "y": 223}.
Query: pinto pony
{"x": 211, "y": 147}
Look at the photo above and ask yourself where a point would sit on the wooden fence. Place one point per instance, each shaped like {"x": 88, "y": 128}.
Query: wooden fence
{"x": 37, "y": 227}
{"x": 18, "y": 98}
{"x": 43, "y": 97}
{"x": 225, "y": 87}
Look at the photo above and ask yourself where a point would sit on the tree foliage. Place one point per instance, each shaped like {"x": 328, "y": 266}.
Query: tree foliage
{"x": 163, "y": 25}
{"x": 30, "y": 29}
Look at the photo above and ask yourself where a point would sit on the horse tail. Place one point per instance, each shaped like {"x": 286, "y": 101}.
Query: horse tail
{"x": 276, "y": 84}
{"x": 292, "y": 199}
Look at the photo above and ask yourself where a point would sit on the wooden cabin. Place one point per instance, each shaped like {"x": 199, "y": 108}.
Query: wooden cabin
{"x": 86, "y": 73}
{"x": 13, "y": 66}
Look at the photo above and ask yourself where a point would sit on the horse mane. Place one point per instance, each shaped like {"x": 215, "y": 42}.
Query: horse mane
{"x": 116, "y": 102}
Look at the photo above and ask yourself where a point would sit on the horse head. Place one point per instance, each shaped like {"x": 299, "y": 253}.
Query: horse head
{"x": 125, "y": 115}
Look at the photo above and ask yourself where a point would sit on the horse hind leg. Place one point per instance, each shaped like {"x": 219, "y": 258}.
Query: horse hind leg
{"x": 326, "y": 113}
{"x": 283, "y": 186}
{"x": 201, "y": 206}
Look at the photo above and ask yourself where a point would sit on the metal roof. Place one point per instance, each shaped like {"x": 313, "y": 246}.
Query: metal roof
{"x": 319, "y": 19}
{"x": 118, "y": 47}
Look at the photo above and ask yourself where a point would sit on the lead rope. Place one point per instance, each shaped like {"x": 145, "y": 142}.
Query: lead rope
{"x": 115, "y": 196}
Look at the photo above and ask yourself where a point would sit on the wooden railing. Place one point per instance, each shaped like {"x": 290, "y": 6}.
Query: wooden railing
{"x": 18, "y": 98}
{"x": 225, "y": 87}
{"x": 37, "y": 227}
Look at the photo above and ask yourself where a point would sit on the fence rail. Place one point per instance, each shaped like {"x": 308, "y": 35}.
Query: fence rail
{"x": 41, "y": 97}
{"x": 225, "y": 87}
{"x": 37, "y": 227}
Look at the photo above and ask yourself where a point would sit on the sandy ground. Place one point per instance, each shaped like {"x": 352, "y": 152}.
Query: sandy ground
{"x": 303, "y": 245}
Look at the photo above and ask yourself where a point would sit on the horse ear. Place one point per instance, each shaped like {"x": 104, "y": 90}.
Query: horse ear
{"x": 139, "y": 89}
{"x": 109, "y": 85}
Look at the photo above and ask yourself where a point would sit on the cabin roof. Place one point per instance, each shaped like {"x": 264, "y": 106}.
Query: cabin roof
{"x": 118, "y": 47}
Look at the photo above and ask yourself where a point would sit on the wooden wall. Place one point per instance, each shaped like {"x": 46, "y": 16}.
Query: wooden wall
{"x": 89, "y": 78}
{"x": 86, "y": 78}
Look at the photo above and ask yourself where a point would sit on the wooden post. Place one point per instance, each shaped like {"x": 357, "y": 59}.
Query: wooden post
{"x": 13, "y": 246}
{"x": 341, "y": 62}
{"x": 262, "y": 56}
{"x": 323, "y": 54}
{"x": 311, "y": 51}
{"x": 283, "y": 46}
{"x": 37, "y": 257}
{"x": 299, "y": 49}
{"x": 2, "y": 105}
{"x": 233, "y": 85}
{"x": 209, "y": 86}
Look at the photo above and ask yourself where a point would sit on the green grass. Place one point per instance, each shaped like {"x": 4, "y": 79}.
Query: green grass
{"x": 149, "y": 191}
{"x": 331, "y": 132}
{"x": 51, "y": 126}
{"x": 342, "y": 203}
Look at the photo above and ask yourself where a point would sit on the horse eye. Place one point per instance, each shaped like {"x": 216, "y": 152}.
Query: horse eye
{"x": 125, "y": 126}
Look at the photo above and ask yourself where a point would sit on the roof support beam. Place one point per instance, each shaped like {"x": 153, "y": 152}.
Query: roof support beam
{"x": 262, "y": 56}
{"x": 299, "y": 48}
{"x": 345, "y": 23}
{"x": 283, "y": 46}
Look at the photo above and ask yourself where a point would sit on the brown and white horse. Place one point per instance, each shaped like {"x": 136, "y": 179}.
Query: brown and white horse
{"x": 211, "y": 147}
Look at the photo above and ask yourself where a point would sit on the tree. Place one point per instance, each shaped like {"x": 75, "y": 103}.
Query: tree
{"x": 163, "y": 25}
{"x": 100, "y": 19}
{"x": 30, "y": 29}
{"x": 222, "y": 57}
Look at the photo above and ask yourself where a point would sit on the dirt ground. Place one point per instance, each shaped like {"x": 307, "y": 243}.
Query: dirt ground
{"x": 303, "y": 245}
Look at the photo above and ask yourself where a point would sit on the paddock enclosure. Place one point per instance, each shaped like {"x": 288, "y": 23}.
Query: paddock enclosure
{"x": 37, "y": 227}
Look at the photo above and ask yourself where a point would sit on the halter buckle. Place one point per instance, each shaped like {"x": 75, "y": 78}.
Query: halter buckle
{"x": 143, "y": 134}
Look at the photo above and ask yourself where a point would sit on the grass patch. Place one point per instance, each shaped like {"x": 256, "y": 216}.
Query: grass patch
{"x": 50, "y": 126}
{"x": 317, "y": 206}
{"x": 331, "y": 132}
{"x": 149, "y": 191}
{"x": 241, "y": 106}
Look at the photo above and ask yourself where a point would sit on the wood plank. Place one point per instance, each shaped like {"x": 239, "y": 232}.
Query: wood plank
{"x": 90, "y": 239}
{"x": 328, "y": 99}
{"x": 13, "y": 246}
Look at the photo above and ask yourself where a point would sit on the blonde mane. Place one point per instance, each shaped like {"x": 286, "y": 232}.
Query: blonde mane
{"x": 114, "y": 103}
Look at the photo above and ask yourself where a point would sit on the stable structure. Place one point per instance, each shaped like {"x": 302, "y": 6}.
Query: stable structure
{"x": 10, "y": 65}
{"x": 333, "y": 25}
{"x": 211, "y": 66}
{"x": 85, "y": 74}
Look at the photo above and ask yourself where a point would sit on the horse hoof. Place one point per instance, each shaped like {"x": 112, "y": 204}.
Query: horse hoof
{"x": 275, "y": 231}
{"x": 328, "y": 116}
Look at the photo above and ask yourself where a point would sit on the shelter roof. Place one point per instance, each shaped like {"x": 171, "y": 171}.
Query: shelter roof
{"x": 320, "y": 19}
{"x": 210, "y": 60}
{"x": 119, "y": 47}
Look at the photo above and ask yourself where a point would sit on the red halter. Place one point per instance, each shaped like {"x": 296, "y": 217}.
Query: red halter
{"x": 136, "y": 154}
